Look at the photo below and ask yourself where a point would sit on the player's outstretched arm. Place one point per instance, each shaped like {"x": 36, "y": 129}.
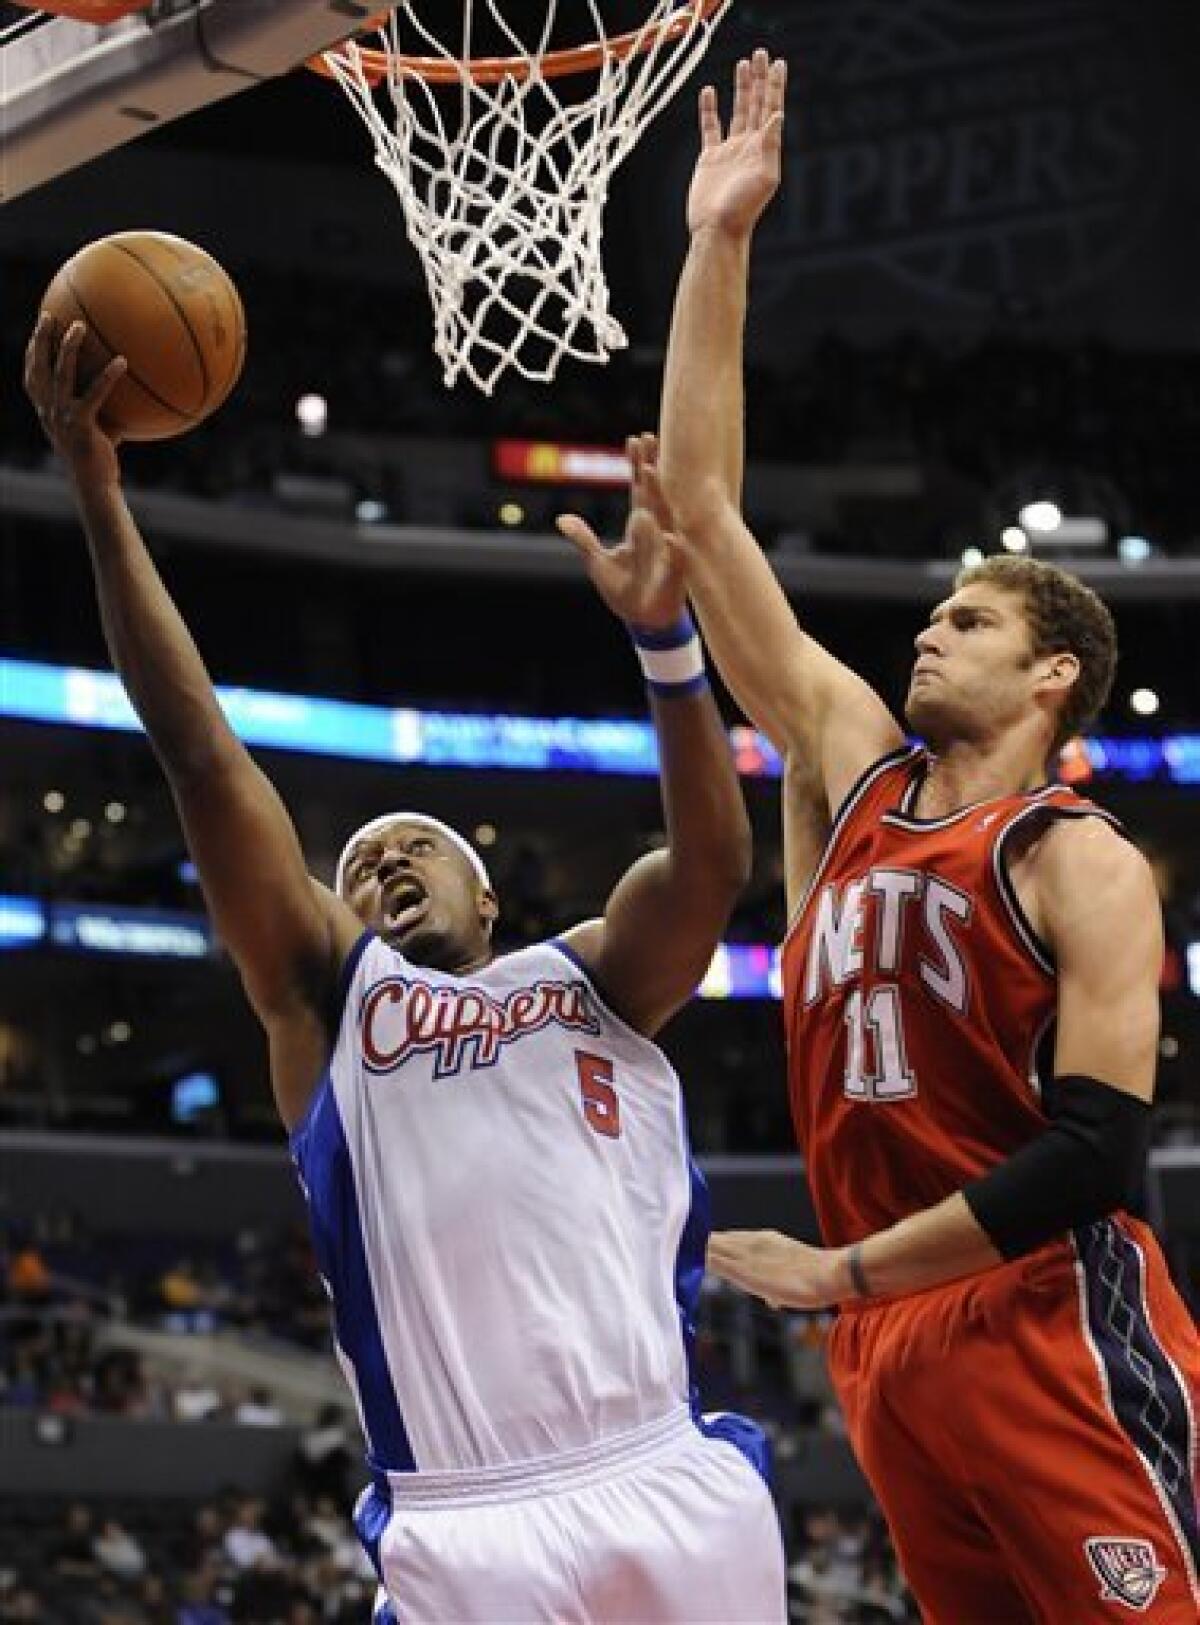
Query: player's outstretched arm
{"x": 809, "y": 705}
{"x": 1100, "y": 916}
{"x": 287, "y": 937}
{"x": 665, "y": 917}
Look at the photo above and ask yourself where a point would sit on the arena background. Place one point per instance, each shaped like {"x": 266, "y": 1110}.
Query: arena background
{"x": 976, "y": 290}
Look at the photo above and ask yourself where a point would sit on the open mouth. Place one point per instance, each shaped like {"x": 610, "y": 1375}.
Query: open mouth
{"x": 404, "y": 903}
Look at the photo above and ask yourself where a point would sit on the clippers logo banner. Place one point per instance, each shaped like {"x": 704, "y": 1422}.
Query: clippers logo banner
{"x": 952, "y": 159}
{"x": 1128, "y": 1570}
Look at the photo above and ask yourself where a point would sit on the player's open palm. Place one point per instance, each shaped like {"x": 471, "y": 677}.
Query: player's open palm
{"x": 784, "y": 1272}
{"x": 737, "y": 174}
{"x": 70, "y": 415}
{"x": 641, "y": 577}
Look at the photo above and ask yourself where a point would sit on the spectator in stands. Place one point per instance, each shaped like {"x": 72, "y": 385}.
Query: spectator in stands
{"x": 246, "y": 1544}
{"x": 65, "y": 1388}
{"x": 197, "y": 1399}
{"x": 118, "y": 1552}
{"x": 184, "y": 1298}
{"x": 258, "y": 1410}
{"x": 119, "y": 1384}
{"x": 19, "y": 1386}
{"x": 198, "y": 1604}
{"x": 200, "y": 1546}
{"x": 325, "y": 1455}
{"x": 22, "y": 1605}
{"x": 72, "y": 1557}
{"x": 28, "y": 1275}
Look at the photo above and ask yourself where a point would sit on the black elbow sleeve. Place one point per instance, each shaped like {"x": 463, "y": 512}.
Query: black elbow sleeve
{"x": 1085, "y": 1164}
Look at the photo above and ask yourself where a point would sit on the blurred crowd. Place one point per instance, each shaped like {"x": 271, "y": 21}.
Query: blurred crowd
{"x": 62, "y": 1291}
{"x": 292, "y": 1558}
{"x": 234, "y": 1560}
{"x": 1114, "y": 426}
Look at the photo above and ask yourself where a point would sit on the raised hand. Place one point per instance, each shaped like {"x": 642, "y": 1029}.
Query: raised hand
{"x": 71, "y": 416}
{"x": 785, "y": 1273}
{"x": 641, "y": 577}
{"x": 737, "y": 174}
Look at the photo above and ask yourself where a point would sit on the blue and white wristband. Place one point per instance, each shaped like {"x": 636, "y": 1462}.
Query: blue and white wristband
{"x": 672, "y": 658}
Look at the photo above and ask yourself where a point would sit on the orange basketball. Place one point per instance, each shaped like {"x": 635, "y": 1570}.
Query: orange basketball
{"x": 171, "y": 311}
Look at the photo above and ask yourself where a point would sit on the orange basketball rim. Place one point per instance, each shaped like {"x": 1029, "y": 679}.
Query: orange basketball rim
{"x": 378, "y": 65}
{"x": 88, "y": 11}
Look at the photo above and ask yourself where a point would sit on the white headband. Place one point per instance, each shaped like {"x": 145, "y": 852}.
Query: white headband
{"x": 425, "y": 822}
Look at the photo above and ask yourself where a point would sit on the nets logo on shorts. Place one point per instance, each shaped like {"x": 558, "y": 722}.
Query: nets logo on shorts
{"x": 1129, "y": 1570}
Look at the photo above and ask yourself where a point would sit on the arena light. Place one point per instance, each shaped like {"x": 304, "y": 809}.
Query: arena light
{"x": 192, "y": 1095}
{"x": 738, "y": 970}
{"x": 1043, "y": 517}
{"x": 312, "y": 414}
{"x": 1143, "y": 702}
{"x": 1076, "y": 530}
{"x": 1134, "y": 549}
{"x": 1014, "y": 540}
{"x": 116, "y": 929}
{"x": 971, "y": 557}
{"x": 22, "y": 922}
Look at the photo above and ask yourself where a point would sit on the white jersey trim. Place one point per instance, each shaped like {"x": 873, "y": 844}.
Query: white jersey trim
{"x": 904, "y": 818}
{"x": 850, "y": 801}
{"x": 1029, "y": 939}
{"x": 578, "y": 963}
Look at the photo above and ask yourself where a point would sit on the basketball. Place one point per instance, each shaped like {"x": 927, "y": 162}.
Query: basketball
{"x": 171, "y": 311}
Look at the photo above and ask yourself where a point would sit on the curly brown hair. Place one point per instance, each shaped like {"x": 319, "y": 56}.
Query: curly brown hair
{"x": 1062, "y": 614}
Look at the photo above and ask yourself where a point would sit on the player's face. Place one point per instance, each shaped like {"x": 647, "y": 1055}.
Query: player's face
{"x": 975, "y": 672}
{"x": 419, "y": 892}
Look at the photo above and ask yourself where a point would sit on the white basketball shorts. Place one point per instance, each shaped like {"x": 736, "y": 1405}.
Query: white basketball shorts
{"x": 659, "y": 1526}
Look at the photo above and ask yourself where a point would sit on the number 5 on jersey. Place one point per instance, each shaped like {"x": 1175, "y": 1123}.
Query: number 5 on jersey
{"x": 600, "y": 1104}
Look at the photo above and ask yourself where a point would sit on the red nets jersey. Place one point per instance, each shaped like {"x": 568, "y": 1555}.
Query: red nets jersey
{"x": 916, "y": 999}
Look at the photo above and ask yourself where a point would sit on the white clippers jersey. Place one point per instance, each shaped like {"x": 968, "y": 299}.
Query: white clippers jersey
{"x": 504, "y": 1210}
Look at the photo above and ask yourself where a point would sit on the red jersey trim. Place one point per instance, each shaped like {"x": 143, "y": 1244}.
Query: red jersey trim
{"x": 850, "y": 800}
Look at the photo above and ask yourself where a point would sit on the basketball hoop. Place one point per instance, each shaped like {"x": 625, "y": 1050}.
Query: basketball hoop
{"x": 503, "y": 176}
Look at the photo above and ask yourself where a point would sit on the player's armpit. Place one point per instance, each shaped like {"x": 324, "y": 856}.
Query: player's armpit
{"x": 651, "y": 950}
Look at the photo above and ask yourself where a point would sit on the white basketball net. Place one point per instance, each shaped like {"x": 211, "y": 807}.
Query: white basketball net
{"x": 503, "y": 185}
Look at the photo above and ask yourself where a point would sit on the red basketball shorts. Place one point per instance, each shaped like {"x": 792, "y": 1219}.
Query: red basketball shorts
{"x": 1031, "y": 1434}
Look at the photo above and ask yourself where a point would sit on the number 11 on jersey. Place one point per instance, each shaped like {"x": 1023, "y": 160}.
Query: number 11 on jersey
{"x": 879, "y": 1018}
